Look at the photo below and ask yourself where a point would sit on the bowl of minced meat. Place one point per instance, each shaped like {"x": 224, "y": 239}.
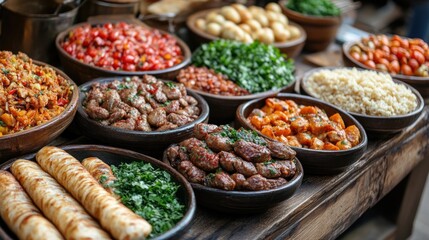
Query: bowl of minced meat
{"x": 382, "y": 105}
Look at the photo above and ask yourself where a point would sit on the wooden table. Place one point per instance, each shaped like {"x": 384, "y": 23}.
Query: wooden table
{"x": 325, "y": 206}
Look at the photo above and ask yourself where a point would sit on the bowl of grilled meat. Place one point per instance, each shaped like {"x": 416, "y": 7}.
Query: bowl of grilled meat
{"x": 143, "y": 113}
{"x": 235, "y": 171}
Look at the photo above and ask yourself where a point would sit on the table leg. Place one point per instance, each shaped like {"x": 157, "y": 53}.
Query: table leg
{"x": 410, "y": 202}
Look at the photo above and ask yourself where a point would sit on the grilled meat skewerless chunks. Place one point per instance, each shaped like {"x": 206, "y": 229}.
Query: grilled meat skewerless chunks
{"x": 280, "y": 150}
{"x": 56, "y": 203}
{"x": 191, "y": 172}
{"x": 121, "y": 222}
{"x": 20, "y": 214}
{"x": 252, "y": 152}
{"x": 231, "y": 163}
{"x": 220, "y": 180}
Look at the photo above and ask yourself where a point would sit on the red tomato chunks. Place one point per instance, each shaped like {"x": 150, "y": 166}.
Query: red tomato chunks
{"x": 122, "y": 46}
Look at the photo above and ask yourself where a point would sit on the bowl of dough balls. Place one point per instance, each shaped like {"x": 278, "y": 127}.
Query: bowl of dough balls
{"x": 247, "y": 24}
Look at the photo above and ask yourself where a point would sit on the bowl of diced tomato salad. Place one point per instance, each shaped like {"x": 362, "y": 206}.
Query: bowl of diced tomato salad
{"x": 120, "y": 48}
{"x": 327, "y": 139}
{"x": 37, "y": 103}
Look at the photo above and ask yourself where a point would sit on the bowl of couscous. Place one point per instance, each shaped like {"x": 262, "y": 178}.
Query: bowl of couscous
{"x": 382, "y": 105}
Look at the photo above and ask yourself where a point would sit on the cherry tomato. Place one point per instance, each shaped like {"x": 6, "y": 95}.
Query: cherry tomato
{"x": 370, "y": 64}
{"x": 394, "y": 66}
{"x": 418, "y": 56}
{"x": 414, "y": 64}
{"x": 406, "y": 70}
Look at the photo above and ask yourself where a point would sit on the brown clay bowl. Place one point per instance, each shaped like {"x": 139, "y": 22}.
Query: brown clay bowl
{"x": 142, "y": 141}
{"x": 320, "y": 162}
{"x": 321, "y": 31}
{"x": 290, "y": 48}
{"x": 419, "y": 83}
{"x": 36, "y": 137}
{"x": 83, "y": 72}
{"x": 222, "y": 108}
{"x": 244, "y": 202}
{"x": 378, "y": 126}
{"x": 115, "y": 156}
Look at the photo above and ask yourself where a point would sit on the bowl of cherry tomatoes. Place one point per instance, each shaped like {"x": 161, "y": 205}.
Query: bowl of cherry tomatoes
{"x": 110, "y": 47}
{"x": 405, "y": 59}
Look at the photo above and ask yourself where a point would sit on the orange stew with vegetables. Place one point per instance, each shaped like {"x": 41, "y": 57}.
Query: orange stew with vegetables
{"x": 30, "y": 94}
{"x": 303, "y": 126}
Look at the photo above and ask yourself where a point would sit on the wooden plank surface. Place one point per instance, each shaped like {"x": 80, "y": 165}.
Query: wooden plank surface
{"x": 325, "y": 206}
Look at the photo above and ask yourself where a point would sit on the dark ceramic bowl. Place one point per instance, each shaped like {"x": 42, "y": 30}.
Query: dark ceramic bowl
{"x": 83, "y": 72}
{"x": 377, "y": 125}
{"x": 34, "y": 138}
{"x": 291, "y": 48}
{"x": 244, "y": 202}
{"x": 143, "y": 141}
{"x": 115, "y": 156}
{"x": 222, "y": 108}
{"x": 314, "y": 161}
{"x": 321, "y": 31}
{"x": 419, "y": 83}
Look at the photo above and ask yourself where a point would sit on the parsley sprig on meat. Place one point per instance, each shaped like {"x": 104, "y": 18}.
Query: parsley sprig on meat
{"x": 149, "y": 192}
{"x": 255, "y": 67}
{"x": 246, "y": 135}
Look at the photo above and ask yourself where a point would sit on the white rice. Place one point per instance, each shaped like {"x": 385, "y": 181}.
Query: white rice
{"x": 362, "y": 91}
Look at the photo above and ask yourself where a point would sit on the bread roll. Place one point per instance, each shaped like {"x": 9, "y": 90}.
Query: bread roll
{"x": 121, "y": 222}
{"x": 20, "y": 214}
{"x": 56, "y": 203}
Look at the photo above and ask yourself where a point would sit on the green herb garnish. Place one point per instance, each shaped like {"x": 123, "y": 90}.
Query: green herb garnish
{"x": 170, "y": 84}
{"x": 246, "y": 135}
{"x": 2, "y": 124}
{"x": 255, "y": 67}
{"x": 149, "y": 192}
{"x": 314, "y": 7}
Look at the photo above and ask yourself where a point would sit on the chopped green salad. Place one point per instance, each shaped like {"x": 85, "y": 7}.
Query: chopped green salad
{"x": 314, "y": 7}
{"x": 149, "y": 192}
{"x": 255, "y": 67}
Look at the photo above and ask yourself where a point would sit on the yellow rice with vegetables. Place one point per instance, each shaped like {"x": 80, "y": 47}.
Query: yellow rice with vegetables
{"x": 365, "y": 92}
{"x": 30, "y": 94}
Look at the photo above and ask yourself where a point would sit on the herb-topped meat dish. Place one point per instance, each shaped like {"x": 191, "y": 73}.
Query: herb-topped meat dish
{"x": 229, "y": 159}
{"x": 141, "y": 104}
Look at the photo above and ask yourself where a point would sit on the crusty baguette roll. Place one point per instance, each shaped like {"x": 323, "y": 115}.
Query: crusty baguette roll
{"x": 56, "y": 203}
{"x": 20, "y": 214}
{"x": 121, "y": 222}
{"x": 99, "y": 169}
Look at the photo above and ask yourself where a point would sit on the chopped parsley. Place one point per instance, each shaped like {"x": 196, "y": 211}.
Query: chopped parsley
{"x": 170, "y": 84}
{"x": 256, "y": 67}
{"x": 246, "y": 135}
{"x": 2, "y": 124}
{"x": 149, "y": 192}
{"x": 165, "y": 104}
